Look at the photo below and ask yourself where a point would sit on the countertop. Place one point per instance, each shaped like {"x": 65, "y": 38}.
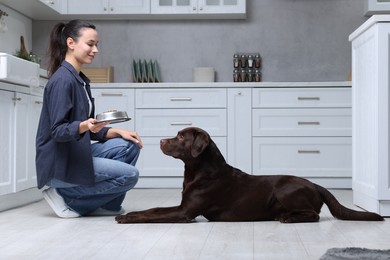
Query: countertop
{"x": 224, "y": 84}
{"x": 382, "y": 18}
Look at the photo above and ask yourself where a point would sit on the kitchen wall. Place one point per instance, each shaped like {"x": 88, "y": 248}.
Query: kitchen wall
{"x": 299, "y": 40}
{"x": 18, "y": 25}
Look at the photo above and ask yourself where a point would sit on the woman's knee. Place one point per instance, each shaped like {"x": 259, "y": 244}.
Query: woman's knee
{"x": 131, "y": 179}
{"x": 121, "y": 150}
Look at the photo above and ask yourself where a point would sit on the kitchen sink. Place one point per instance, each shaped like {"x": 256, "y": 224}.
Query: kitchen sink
{"x": 18, "y": 71}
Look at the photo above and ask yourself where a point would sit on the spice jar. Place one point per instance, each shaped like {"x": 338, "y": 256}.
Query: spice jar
{"x": 244, "y": 61}
{"x": 257, "y": 61}
{"x": 257, "y": 76}
{"x": 243, "y": 75}
{"x": 236, "y": 75}
{"x": 236, "y": 61}
{"x": 250, "y": 61}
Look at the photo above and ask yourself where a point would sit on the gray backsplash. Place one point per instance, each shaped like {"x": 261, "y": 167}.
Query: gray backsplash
{"x": 299, "y": 40}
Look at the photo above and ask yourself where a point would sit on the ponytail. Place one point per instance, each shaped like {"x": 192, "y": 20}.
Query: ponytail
{"x": 58, "y": 46}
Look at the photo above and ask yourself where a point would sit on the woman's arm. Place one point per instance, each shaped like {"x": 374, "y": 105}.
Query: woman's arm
{"x": 91, "y": 125}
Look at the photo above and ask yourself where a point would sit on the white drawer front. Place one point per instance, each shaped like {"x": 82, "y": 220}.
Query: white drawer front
{"x": 167, "y": 122}
{"x": 153, "y": 163}
{"x": 181, "y": 98}
{"x": 302, "y": 122}
{"x": 305, "y": 157}
{"x": 115, "y": 99}
{"x": 301, "y": 97}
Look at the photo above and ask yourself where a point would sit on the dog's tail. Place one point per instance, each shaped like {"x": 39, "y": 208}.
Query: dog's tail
{"x": 343, "y": 213}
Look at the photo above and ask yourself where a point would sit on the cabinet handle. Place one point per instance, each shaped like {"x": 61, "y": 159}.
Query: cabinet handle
{"x": 181, "y": 99}
{"x": 181, "y": 123}
{"x": 112, "y": 94}
{"x": 309, "y": 151}
{"x": 16, "y": 99}
{"x": 308, "y": 123}
{"x": 38, "y": 102}
{"x": 308, "y": 98}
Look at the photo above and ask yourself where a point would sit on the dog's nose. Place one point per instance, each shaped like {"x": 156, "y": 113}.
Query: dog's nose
{"x": 163, "y": 141}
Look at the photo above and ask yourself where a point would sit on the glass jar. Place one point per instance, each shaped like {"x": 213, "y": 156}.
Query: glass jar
{"x": 236, "y": 61}
{"x": 257, "y": 61}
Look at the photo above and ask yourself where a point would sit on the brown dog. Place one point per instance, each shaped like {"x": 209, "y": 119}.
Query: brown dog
{"x": 219, "y": 192}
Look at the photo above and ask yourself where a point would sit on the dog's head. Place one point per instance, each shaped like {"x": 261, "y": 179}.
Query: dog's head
{"x": 188, "y": 143}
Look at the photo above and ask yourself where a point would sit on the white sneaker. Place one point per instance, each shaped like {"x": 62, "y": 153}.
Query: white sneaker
{"x": 106, "y": 212}
{"x": 58, "y": 204}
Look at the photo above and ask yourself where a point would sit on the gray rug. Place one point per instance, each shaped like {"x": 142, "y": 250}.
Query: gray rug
{"x": 355, "y": 253}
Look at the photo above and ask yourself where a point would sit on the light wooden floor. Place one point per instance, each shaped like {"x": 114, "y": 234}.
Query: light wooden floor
{"x": 34, "y": 232}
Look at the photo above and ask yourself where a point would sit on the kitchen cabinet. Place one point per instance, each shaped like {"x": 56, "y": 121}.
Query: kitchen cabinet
{"x": 199, "y": 7}
{"x": 60, "y": 6}
{"x": 239, "y": 128}
{"x": 21, "y": 115}
{"x": 6, "y": 149}
{"x": 27, "y": 113}
{"x": 376, "y": 7}
{"x": 161, "y": 113}
{"x": 309, "y": 129}
{"x": 115, "y": 99}
{"x": 371, "y": 99}
{"x": 108, "y": 7}
{"x": 261, "y": 128}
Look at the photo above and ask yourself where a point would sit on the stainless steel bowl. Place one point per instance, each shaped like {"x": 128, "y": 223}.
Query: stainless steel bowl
{"x": 113, "y": 116}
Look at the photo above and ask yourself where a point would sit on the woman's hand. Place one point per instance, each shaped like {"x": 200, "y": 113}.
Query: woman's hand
{"x": 92, "y": 125}
{"x": 125, "y": 134}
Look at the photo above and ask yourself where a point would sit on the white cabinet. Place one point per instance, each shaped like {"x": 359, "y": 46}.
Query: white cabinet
{"x": 200, "y": 7}
{"x": 60, "y": 6}
{"x": 108, "y": 7}
{"x": 376, "y": 7}
{"x": 304, "y": 132}
{"x": 161, "y": 113}
{"x": 371, "y": 113}
{"x": 6, "y": 142}
{"x": 115, "y": 99}
{"x": 239, "y": 128}
{"x": 17, "y": 151}
{"x": 27, "y": 112}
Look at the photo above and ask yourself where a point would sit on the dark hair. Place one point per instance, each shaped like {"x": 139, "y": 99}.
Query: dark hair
{"x": 58, "y": 46}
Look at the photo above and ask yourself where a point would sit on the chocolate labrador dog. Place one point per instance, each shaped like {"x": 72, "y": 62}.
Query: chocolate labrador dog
{"x": 219, "y": 192}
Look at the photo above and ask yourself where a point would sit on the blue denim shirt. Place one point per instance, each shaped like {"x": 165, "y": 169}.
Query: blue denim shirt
{"x": 61, "y": 152}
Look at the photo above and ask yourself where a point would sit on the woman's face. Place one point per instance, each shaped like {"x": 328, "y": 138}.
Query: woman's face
{"x": 83, "y": 50}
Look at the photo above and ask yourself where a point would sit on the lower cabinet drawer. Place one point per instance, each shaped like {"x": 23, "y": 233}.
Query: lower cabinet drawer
{"x": 153, "y": 163}
{"x": 301, "y": 97}
{"x": 303, "y": 156}
{"x": 167, "y": 122}
{"x": 302, "y": 122}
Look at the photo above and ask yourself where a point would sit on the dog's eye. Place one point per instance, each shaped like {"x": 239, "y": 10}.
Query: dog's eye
{"x": 181, "y": 137}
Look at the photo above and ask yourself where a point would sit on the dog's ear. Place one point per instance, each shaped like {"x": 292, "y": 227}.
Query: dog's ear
{"x": 201, "y": 141}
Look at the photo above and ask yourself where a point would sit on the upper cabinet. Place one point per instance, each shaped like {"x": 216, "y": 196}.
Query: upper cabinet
{"x": 129, "y": 9}
{"x": 108, "y": 7}
{"x": 227, "y": 8}
{"x": 59, "y": 6}
{"x": 377, "y": 7}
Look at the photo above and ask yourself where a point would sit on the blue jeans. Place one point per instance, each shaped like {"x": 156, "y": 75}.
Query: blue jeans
{"x": 115, "y": 174}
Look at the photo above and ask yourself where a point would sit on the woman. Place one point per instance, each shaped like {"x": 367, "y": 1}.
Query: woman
{"x": 83, "y": 178}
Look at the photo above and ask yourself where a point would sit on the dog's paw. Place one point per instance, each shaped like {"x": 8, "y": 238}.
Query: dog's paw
{"x": 121, "y": 219}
